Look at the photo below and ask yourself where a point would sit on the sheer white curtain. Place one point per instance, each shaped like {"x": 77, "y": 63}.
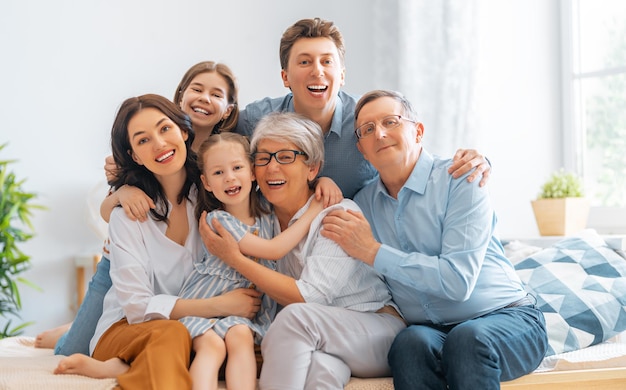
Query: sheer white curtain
{"x": 428, "y": 50}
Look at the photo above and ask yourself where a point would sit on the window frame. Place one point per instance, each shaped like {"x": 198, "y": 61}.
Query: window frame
{"x": 605, "y": 220}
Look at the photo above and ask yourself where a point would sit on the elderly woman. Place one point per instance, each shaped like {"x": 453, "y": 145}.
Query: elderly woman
{"x": 338, "y": 317}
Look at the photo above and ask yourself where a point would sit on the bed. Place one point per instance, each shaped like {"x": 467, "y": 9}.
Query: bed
{"x": 580, "y": 284}
{"x": 23, "y": 367}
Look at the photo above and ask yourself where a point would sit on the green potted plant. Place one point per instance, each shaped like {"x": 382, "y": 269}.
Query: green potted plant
{"x": 561, "y": 207}
{"x": 15, "y": 212}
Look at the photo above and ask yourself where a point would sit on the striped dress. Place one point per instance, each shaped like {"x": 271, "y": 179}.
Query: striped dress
{"x": 212, "y": 277}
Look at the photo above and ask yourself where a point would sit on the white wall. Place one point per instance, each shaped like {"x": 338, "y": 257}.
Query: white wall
{"x": 67, "y": 65}
{"x": 519, "y": 93}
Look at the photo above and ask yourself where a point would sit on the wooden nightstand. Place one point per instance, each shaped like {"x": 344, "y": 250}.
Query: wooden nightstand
{"x": 81, "y": 263}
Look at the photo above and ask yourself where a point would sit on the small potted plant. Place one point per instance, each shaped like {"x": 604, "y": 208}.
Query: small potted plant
{"x": 15, "y": 211}
{"x": 561, "y": 207}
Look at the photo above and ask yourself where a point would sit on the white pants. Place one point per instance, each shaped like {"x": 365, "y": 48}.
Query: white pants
{"x": 311, "y": 346}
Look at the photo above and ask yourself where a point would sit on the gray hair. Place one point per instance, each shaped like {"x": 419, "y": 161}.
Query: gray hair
{"x": 289, "y": 127}
{"x": 407, "y": 107}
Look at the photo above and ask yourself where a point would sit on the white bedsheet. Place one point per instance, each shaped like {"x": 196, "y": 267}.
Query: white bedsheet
{"x": 24, "y": 367}
{"x": 610, "y": 354}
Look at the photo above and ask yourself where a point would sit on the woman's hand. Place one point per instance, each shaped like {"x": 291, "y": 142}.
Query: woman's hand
{"x": 328, "y": 192}
{"x": 242, "y": 302}
{"x": 465, "y": 160}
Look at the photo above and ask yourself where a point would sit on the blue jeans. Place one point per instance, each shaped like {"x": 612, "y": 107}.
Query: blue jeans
{"x": 475, "y": 354}
{"x": 77, "y": 339}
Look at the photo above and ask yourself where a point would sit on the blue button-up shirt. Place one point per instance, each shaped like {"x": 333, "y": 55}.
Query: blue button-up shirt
{"x": 439, "y": 255}
{"x": 342, "y": 160}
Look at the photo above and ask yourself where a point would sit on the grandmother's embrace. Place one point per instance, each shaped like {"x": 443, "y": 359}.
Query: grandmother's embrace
{"x": 338, "y": 317}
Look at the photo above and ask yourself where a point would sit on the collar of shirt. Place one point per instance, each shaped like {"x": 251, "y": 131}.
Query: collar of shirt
{"x": 418, "y": 179}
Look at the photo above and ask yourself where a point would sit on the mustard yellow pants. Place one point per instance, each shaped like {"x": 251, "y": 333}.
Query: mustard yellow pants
{"x": 158, "y": 353}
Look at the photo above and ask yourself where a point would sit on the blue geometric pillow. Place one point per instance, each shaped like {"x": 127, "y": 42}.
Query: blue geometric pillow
{"x": 580, "y": 286}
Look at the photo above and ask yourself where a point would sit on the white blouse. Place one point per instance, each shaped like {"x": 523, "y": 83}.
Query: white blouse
{"x": 326, "y": 274}
{"x": 147, "y": 269}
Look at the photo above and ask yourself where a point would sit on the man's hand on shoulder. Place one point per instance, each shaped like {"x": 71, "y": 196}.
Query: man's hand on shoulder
{"x": 351, "y": 231}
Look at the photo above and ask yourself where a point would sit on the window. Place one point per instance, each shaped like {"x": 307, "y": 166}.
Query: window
{"x": 594, "y": 105}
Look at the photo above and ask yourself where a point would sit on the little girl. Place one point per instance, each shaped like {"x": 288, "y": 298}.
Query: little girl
{"x": 231, "y": 197}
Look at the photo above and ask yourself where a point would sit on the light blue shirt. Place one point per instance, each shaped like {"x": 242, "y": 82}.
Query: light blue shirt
{"x": 440, "y": 258}
{"x": 342, "y": 160}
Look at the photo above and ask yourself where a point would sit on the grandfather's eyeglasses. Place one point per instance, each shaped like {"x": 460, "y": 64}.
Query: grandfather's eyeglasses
{"x": 261, "y": 159}
{"x": 388, "y": 123}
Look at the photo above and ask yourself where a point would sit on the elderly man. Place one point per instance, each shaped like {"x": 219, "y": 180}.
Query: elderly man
{"x": 471, "y": 324}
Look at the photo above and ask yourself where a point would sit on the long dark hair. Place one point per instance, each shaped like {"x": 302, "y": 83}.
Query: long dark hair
{"x": 139, "y": 176}
{"x": 206, "y": 200}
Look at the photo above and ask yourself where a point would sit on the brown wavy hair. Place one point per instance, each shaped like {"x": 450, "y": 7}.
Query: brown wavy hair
{"x": 227, "y": 74}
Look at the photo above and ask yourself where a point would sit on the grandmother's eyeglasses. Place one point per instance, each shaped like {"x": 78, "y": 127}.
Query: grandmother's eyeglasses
{"x": 261, "y": 159}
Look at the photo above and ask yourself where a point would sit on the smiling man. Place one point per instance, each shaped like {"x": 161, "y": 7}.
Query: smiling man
{"x": 471, "y": 324}
{"x": 312, "y": 62}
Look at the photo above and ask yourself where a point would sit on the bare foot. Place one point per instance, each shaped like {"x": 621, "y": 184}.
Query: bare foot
{"x": 84, "y": 365}
{"x": 49, "y": 338}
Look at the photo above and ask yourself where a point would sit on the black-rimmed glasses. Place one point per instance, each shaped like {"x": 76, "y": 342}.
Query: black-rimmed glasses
{"x": 388, "y": 123}
{"x": 261, "y": 159}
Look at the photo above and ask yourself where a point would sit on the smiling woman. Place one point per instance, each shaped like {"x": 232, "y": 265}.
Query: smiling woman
{"x": 155, "y": 141}
{"x": 151, "y": 139}
{"x": 207, "y": 93}
{"x": 345, "y": 302}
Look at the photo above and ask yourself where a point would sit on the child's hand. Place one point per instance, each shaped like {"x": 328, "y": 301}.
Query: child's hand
{"x": 135, "y": 202}
{"x": 328, "y": 192}
{"x": 110, "y": 169}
